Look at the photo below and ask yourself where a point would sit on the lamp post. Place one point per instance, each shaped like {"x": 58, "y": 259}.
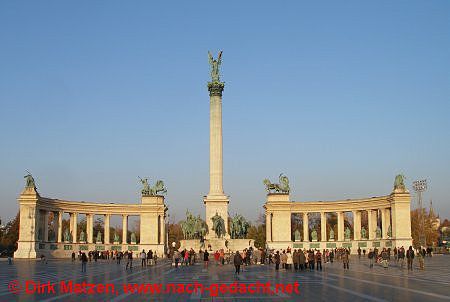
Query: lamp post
{"x": 420, "y": 186}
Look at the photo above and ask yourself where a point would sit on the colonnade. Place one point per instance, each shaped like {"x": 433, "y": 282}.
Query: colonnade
{"x": 388, "y": 221}
{"x": 34, "y": 225}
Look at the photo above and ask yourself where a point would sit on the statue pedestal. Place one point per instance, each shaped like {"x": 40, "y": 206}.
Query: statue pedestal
{"x": 116, "y": 242}
{"x": 297, "y": 240}
{"x": 98, "y": 242}
{"x": 133, "y": 242}
{"x": 314, "y": 240}
{"x": 82, "y": 241}
{"x": 331, "y": 239}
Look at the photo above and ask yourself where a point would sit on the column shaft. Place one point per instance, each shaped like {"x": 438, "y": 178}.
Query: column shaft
{"x": 383, "y": 223}
{"x": 90, "y": 228}
{"x": 370, "y": 223}
{"x": 305, "y": 227}
{"x": 163, "y": 230}
{"x": 268, "y": 227}
{"x": 340, "y": 216}
{"x": 125, "y": 229}
{"x": 75, "y": 225}
{"x": 60, "y": 227}
{"x": 215, "y": 146}
{"x": 106, "y": 231}
{"x": 323, "y": 226}
{"x": 356, "y": 225}
{"x": 45, "y": 226}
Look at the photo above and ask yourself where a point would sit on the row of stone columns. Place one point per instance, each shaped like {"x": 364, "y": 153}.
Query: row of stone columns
{"x": 73, "y": 221}
{"x": 372, "y": 224}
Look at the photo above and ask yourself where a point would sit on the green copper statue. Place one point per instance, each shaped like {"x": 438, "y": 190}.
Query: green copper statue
{"x": 363, "y": 233}
{"x": 297, "y": 235}
{"x": 378, "y": 232}
{"x": 152, "y": 191}
{"x": 133, "y": 238}
{"x": 314, "y": 235}
{"x": 347, "y": 233}
{"x": 218, "y": 225}
{"x": 399, "y": 183}
{"x": 66, "y": 236}
{"x": 82, "y": 236}
{"x": 116, "y": 237}
{"x": 282, "y": 187}
{"x": 389, "y": 232}
{"x": 215, "y": 76}
{"x": 29, "y": 181}
{"x": 331, "y": 234}
{"x": 99, "y": 237}
{"x": 238, "y": 227}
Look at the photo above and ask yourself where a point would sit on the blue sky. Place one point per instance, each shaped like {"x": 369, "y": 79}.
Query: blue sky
{"x": 340, "y": 96}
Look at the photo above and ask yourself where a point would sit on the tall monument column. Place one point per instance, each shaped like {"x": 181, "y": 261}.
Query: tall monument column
{"x": 216, "y": 201}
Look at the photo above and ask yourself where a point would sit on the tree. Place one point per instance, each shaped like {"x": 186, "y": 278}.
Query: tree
{"x": 429, "y": 230}
{"x": 10, "y": 235}
{"x": 175, "y": 234}
{"x": 258, "y": 232}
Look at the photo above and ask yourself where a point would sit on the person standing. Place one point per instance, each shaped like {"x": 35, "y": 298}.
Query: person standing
{"x": 73, "y": 256}
{"x": 410, "y": 257}
{"x": 295, "y": 258}
{"x": 318, "y": 259}
{"x": 331, "y": 256}
{"x": 129, "y": 260}
{"x": 311, "y": 260}
{"x": 206, "y": 258}
{"x": 84, "y": 260}
{"x": 143, "y": 256}
{"x": 345, "y": 259}
{"x": 289, "y": 260}
{"x": 301, "y": 260}
{"x": 359, "y": 252}
{"x": 237, "y": 260}
{"x": 385, "y": 258}
{"x": 401, "y": 256}
{"x": 420, "y": 257}
{"x": 277, "y": 260}
{"x": 370, "y": 256}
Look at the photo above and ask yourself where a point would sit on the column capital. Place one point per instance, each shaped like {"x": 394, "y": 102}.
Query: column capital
{"x": 215, "y": 88}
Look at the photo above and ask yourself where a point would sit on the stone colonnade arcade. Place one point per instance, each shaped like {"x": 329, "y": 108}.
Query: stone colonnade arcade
{"x": 394, "y": 230}
{"x": 33, "y": 231}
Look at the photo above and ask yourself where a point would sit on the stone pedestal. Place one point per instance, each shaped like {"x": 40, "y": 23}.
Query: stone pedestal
{"x": 28, "y": 244}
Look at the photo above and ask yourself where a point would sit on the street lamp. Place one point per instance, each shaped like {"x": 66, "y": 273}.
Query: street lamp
{"x": 421, "y": 186}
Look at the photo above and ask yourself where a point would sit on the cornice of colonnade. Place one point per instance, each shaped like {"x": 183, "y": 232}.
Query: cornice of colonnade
{"x": 58, "y": 205}
{"x": 347, "y": 205}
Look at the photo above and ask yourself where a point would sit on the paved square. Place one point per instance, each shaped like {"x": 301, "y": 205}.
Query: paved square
{"x": 332, "y": 284}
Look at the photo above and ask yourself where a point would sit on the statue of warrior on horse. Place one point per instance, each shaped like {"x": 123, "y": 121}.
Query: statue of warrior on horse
{"x": 281, "y": 187}
{"x": 238, "y": 227}
{"x": 218, "y": 225}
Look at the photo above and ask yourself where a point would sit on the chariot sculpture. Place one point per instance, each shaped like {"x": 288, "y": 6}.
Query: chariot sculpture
{"x": 281, "y": 187}
{"x": 157, "y": 189}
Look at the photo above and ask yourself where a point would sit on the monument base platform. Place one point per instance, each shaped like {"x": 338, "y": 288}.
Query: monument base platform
{"x": 217, "y": 244}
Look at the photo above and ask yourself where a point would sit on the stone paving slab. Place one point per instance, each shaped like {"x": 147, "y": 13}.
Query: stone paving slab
{"x": 332, "y": 284}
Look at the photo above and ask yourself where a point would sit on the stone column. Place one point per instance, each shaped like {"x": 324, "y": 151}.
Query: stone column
{"x": 124, "y": 228}
{"x": 383, "y": 223}
{"x": 45, "y": 226}
{"x": 268, "y": 227}
{"x": 340, "y": 216}
{"x": 90, "y": 228}
{"x": 323, "y": 226}
{"x": 215, "y": 139}
{"x": 356, "y": 225}
{"x": 74, "y": 230}
{"x": 106, "y": 231}
{"x": 388, "y": 219}
{"x": 163, "y": 230}
{"x": 370, "y": 224}
{"x": 305, "y": 227}
{"x": 59, "y": 229}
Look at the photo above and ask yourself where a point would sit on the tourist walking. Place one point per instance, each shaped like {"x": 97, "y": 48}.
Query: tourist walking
{"x": 385, "y": 258}
{"x": 237, "y": 260}
{"x": 401, "y": 257}
{"x": 277, "y": 260}
{"x": 176, "y": 257}
{"x": 84, "y": 260}
{"x": 420, "y": 257}
{"x": 311, "y": 260}
{"x": 345, "y": 259}
{"x": 301, "y": 260}
{"x": 73, "y": 256}
{"x": 295, "y": 258}
{"x": 410, "y": 258}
